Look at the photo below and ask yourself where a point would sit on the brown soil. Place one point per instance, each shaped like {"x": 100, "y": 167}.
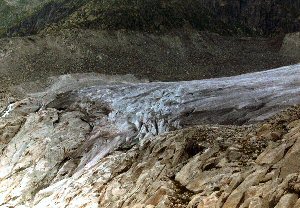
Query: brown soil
{"x": 178, "y": 55}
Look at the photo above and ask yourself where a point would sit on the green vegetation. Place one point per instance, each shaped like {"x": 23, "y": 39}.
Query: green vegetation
{"x": 24, "y": 17}
{"x": 142, "y": 15}
{"x": 14, "y": 11}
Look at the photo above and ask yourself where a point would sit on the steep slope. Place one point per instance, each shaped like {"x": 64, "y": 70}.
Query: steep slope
{"x": 204, "y": 166}
{"x": 155, "y": 40}
{"x": 94, "y": 140}
{"x": 14, "y": 11}
{"x": 118, "y": 144}
{"x": 176, "y": 55}
{"x": 226, "y": 17}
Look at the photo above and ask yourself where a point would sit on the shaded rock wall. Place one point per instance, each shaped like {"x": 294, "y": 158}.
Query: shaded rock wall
{"x": 222, "y": 16}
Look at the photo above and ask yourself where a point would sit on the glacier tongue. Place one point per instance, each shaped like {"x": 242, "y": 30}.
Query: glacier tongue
{"x": 66, "y": 130}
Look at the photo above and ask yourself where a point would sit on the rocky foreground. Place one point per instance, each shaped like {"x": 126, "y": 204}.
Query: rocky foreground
{"x": 88, "y": 140}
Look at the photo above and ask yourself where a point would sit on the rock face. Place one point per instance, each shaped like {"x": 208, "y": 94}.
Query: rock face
{"x": 223, "y": 16}
{"x": 91, "y": 140}
{"x": 138, "y": 144}
{"x": 291, "y": 45}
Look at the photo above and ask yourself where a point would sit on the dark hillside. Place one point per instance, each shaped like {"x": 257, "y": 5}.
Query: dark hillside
{"x": 234, "y": 17}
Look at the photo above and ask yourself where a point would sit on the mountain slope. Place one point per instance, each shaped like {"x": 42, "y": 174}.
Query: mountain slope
{"x": 246, "y": 17}
{"x": 14, "y": 11}
{"x": 176, "y": 55}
